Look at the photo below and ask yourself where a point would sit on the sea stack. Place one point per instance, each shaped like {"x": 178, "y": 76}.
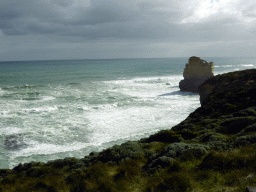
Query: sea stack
{"x": 195, "y": 73}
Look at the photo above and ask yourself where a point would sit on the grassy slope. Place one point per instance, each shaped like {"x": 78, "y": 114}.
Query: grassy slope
{"x": 212, "y": 150}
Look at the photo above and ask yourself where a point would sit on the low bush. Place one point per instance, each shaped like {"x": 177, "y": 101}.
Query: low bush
{"x": 176, "y": 166}
{"x": 235, "y": 125}
{"x": 130, "y": 149}
{"x": 166, "y": 136}
{"x": 177, "y": 182}
{"x": 129, "y": 170}
{"x": 221, "y": 161}
{"x": 176, "y": 150}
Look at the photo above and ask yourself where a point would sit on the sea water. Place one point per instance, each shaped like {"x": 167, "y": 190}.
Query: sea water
{"x": 56, "y": 109}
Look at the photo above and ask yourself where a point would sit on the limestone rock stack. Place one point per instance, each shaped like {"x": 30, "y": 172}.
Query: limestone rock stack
{"x": 195, "y": 73}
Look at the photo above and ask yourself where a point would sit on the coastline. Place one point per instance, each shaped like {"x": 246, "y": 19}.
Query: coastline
{"x": 214, "y": 145}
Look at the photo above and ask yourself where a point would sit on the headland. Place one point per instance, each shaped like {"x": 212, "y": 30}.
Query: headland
{"x": 213, "y": 149}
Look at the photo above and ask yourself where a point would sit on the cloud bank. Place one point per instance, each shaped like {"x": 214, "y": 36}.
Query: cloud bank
{"x": 94, "y": 29}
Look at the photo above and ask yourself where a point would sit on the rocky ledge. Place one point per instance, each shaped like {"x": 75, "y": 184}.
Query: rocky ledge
{"x": 213, "y": 149}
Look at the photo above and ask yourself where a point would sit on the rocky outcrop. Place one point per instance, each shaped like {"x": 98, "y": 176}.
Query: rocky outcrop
{"x": 195, "y": 73}
{"x": 233, "y": 87}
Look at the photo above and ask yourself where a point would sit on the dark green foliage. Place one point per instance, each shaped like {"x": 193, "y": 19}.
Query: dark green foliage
{"x": 249, "y": 129}
{"x": 10, "y": 179}
{"x": 250, "y": 111}
{"x": 52, "y": 189}
{"x": 39, "y": 171}
{"x": 245, "y": 140}
{"x": 166, "y": 136}
{"x": 175, "y": 167}
{"x": 40, "y": 185}
{"x": 220, "y": 161}
{"x": 177, "y": 182}
{"x": 210, "y": 137}
{"x": 235, "y": 125}
{"x": 176, "y": 150}
{"x": 187, "y": 134}
{"x": 156, "y": 163}
{"x": 171, "y": 152}
{"x": 227, "y": 108}
{"x": 75, "y": 176}
{"x": 116, "y": 153}
{"x": 204, "y": 175}
{"x": 129, "y": 169}
{"x": 96, "y": 171}
{"x": 79, "y": 187}
{"x": 60, "y": 163}
{"x": 194, "y": 153}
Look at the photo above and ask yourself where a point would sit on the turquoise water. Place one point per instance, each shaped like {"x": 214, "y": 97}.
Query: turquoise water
{"x": 58, "y": 109}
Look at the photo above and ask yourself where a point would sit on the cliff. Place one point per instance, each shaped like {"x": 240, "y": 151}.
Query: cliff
{"x": 213, "y": 149}
{"x": 195, "y": 73}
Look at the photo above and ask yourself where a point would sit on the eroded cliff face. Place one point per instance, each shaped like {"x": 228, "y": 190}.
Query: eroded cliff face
{"x": 195, "y": 73}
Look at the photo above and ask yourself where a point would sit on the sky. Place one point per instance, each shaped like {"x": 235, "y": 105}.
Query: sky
{"x": 108, "y": 29}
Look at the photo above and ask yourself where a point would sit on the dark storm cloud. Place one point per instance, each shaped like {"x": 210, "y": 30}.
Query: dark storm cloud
{"x": 50, "y": 26}
{"x": 100, "y": 19}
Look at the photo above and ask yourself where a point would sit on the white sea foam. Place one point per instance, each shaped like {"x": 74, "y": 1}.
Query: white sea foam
{"x": 10, "y": 130}
{"x": 40, "y": 109}
{"x": 46, "y": 98}
{"x": 47, "y": 148}
{"x": 247, "y": 65}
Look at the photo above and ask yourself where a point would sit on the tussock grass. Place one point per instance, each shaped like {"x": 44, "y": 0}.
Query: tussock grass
{"x": 231, "y": 170}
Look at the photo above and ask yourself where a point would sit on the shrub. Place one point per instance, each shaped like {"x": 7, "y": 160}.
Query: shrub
{"x": 248, "y": 129}
{"x": 96, "y": 171}
{"x": 245, "y": 140}
{"x": 187, "y": 134}
{"x": 194, "y": 153}
{"x": 129, "y": 169}
{"x": 40, "y": 171}
{"x": 178, "y": 149}
{"x": 159, "y": 162}
{"x": 116, "y": 153}
{"x": 221, "y": 161}
{"x": 235, "y": 125}
{"x": 75, "y": 176}
{"x": 60, "y": 163}
{"x": 79, "y": 187}
{"x": 177, "y": 182}
{"x": 175, "y": 167}
{"x": 227, "y": 108}
{"x": 166, "y": 136}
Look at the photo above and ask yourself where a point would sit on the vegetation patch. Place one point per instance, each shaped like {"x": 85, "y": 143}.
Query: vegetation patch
{"x": 166, "y": 136}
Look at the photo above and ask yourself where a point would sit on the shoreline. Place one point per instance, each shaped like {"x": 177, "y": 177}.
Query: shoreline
{"x": 213, "y": 149}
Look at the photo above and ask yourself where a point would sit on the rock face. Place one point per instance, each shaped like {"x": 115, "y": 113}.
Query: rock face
{"x": 195, "y": 73}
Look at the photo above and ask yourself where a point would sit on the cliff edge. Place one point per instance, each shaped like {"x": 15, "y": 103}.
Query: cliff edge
{"x": 213, "y": 149}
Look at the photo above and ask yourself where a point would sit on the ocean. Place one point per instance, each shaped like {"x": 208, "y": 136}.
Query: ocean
{"x": 55, "y": 109}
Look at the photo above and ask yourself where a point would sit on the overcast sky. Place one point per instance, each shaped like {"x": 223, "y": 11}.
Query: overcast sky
{"x": 99, "y": 29}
